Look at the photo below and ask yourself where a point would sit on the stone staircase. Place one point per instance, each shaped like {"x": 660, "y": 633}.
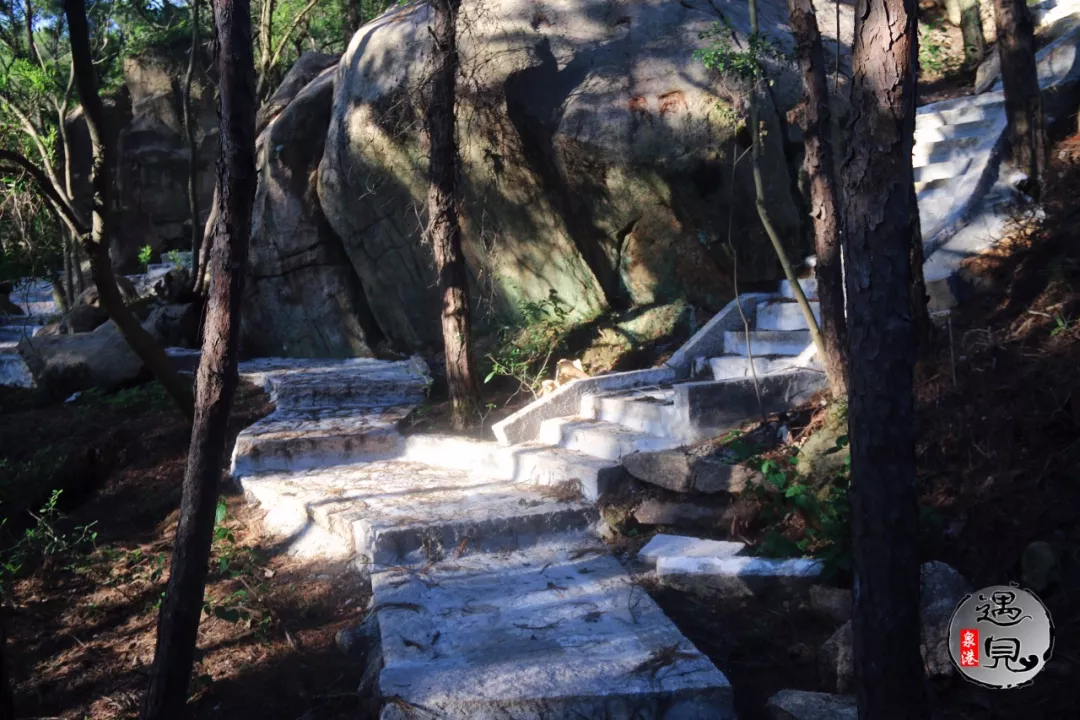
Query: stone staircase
{"x": 35, "y": 299}
{"x": 492, "y": 593}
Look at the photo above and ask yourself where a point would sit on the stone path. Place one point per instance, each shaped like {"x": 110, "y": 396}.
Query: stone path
{"x": 493, "y": 596}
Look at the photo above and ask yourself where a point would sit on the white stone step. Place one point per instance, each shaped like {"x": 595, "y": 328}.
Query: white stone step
{"x": 784, "y": 315}
{"x": 599, "y": 438}
{"x": 675, "y": 546}
{"x": 961, "y": 131}
{"x": 766, "y": 342}
{"x": 557, "y": 630}
{"x": 737, "y": 576}
{"x": 532, "y": 463}
{"x": 650, "y": 411}
{"x": 304, "y": 439}
{"x": 392, "y": 512}
{"x": 974, "y": 110}
{"x": 738, "y": 366}
{"x": 933, "y": 153}
{"x": 942, "y": 171}
{"x": 347, "y": 388}
{"x": 808, "y": 285}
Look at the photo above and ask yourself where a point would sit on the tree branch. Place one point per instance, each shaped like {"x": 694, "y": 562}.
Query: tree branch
{"x": 48, "y": 189}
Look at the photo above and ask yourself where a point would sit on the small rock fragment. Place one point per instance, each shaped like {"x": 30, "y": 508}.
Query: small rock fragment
{"x": 802, "y": 705}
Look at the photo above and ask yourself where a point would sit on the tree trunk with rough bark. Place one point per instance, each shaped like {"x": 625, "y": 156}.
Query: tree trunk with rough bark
{"x": 193, "y": 148}
{"x": 354, "y": 16}
{"x": 97, "y": 242}
{"x": 1023, "y": 99}
{"x": 879, "y": 220}
{"x": 444, "y": 227}
{"x": 824, "y": 194}
{"x": 217, "y": 376}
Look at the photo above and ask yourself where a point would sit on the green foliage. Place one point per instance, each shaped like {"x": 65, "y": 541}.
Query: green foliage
{"x": 1061, "y": 324}
{"x": 527, "y": 345}
{"x": 722, "y": 55}
{"x": 42, "y": 539}
{"x": 173, "y": 256}
{"x": 823, "y": 512}
{"x": 149, "y": 395}
{"x": 933, "y": 58}
{"x": 231, "y": 561}
{"x": 146, "y": 254}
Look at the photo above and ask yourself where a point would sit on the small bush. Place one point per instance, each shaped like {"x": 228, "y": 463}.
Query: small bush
{"x": 526, "y": 347}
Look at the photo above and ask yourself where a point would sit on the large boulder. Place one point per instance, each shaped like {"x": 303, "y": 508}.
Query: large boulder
{"x": 941, "y": 588}
{"x": 302, "y": 297}
{"x": 91, "y": 298}
{"x": 306, "y": 68}
{"x": 153, "y": 154}
{"x": 596, "y": 159}
{"x": 64, "y": 364}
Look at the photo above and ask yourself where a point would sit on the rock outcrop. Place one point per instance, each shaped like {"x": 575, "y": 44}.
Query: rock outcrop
{"x": 302, "y": 296}
{"x": 596, "y": 160}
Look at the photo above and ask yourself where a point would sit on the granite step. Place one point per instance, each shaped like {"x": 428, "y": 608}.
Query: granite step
{"x": 784, "y": 315}
{"x": 738, "y": 366}
{"x": 766, "y": 343}
{"x": 942, "y": 171}
{"x": 600, "y": 438}
{"x": 808, "y": 285}
{"x": 390, "y": 512}
{"x": 312, "y": 438}
{"x": 555, "y": 630}
{"x": 650, "y": 410}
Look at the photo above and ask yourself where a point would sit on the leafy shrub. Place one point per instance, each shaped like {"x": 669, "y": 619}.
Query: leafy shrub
{"x": 146, "y": 254}
{"x": 526, "y": 347}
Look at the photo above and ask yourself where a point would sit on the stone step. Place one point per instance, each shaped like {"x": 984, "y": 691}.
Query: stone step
{"x": 681, "y": 546}
{"x": 532, "y": 463}
{"x": 977, "y": 129}
{"x": 932, "y": 153}
{"x": 600, "y": 438}
{"x": 738, "y": 366}
{"x": 649, "y": 411}
{"x": 976, "y": 109}
{"x": 557, "y": 630}
{"x": 808, "y": 285}
{"x": 304, "y": 439}
{"x": 348, "y": 388}
{"x": 390, "y": 512}
{"x": 942, "y": 171}
{"x": 766, "y": 342}
{"x": 728, "y": 576}
{"x": 939, "y": 184}
{"x": 784, "y": 315}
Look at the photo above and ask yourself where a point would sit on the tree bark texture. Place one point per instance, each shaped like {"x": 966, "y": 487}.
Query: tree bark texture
{"x": 1023, "y": 98}
{"x": 879, "y": 220}
{"x": 217, "y": 376}
{"x": 193, "y": 148}
{"x": 824, "y": 195}
{"x": 97, "y": 243}
{"x": 444, "y": 227}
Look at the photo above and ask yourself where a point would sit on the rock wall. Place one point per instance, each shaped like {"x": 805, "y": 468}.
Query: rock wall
{"x": 302, "y": 297}
{"x": 596, "y": 158}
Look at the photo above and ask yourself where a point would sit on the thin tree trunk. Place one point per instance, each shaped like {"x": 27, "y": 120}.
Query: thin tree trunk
{"x": 444, "y": 227}
{"x": 354, "y": 16}
{"x": 69, "y": 261}
{"x": 217, "y": 378}
{"x": 763, "y": 211}
{"x": 824, "y": 196}
{"x": 97, "y": 242}
{"x": 972, "y": 30}
{"x": 879, "y": 208}
{"x": 193, "y": 148}
{"x": 1023, "y": 99}
{"x": 266, "y": 40}
{"x": 7, "y": 699}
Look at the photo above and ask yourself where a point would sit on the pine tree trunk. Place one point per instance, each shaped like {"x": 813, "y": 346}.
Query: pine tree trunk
{"x": 96, "y": 243}
{"x": 193, "y": 148}
{"x": 354, "y": 16}
{"x": 444, "y": 227}
{"x": 879, "y": 220}
{"x": 1023, "y": 99}
{"x": 217, "y": 377}
{"x": 824, "y": 195}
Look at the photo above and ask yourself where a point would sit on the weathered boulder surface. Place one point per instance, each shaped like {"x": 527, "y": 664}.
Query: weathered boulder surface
{"x": 302, "y": 297}
{"x": 306, "y": 68}
{"x": 596, "y": 159}
{"x": 803, "y": 705}
{"x": 63, "y": 364}
{"x": 942, "y": 587}
{"x": 91, "y": 298}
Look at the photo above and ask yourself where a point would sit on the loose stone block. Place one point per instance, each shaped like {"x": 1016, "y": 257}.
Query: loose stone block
{"x": 689, "y": 547}
{"x": 737, "y": 577}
